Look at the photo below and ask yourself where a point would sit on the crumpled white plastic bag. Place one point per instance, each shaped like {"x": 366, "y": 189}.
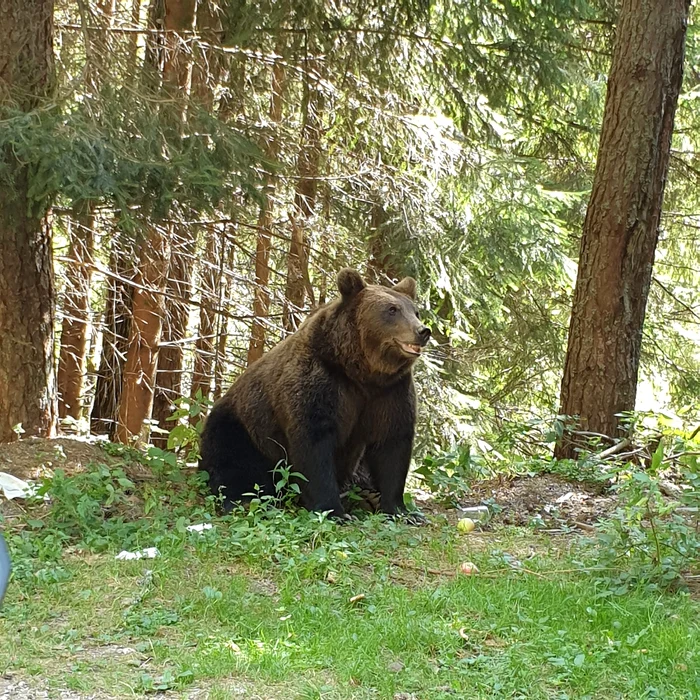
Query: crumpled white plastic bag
{"x": 148, "y": 553}
{"x": 13, "y": 487}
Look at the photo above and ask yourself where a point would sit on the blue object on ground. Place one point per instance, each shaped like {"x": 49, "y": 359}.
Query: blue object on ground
{"x": 5, "y": 568}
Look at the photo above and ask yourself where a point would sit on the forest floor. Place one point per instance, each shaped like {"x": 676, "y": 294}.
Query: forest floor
{"x": 278, "y": 605}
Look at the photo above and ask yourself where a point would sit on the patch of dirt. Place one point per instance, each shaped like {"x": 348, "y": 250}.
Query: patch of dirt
{"x": 547, "y": 497}
{"x": 264, "y": 586}
{"x": 35, "y": 458}
{"x": 110, "y": 651}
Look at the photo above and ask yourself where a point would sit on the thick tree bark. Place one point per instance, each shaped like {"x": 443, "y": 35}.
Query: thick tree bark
{"x": 75, "y": 328}
{"x": 26, "y": 316}
{"x": 621, "y": 227}
{"x": 177, "y": 68}
{"x": 26, "y": 274}
{"x": 308, "y": 163}
{"x": 140, "y": 370}
{"x": 261, "y": 299}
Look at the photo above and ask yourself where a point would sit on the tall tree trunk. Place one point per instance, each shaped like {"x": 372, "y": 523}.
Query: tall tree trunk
{"x": 177, "y": 68}
{"x": 134, "y": 37}
{"x": 206, "y": 75}
{"x": 177, "y": 312}
{"x": 26, "y": 274}
{"x": 155, "y": 265}
{"x": 116, "y": 330}
{"x": 140, "y": 370}
{"x": 261, "y": 299}
{"x": 308, "y": 163}
{"x": 177, "y": 81}
{"x": 206, "y": 72}
{"x": 210, "y": 280}
{"x": 622, "y": 222}
{"x": 75, "y": 328}
{"x": 116, "y": 323}
{"x": 228, "y": 252}
{"x": 152, "y": 73}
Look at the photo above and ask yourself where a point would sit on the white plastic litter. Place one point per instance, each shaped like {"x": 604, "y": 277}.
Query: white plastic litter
{"x": 148, "y": 553}
{"x": 201, "y": 527}
{"x": 12, "y": 487}
{"x": 476, "y": 513}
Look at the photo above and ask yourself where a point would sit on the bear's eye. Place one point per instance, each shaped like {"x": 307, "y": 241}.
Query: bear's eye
{"x": 393, "y": 310}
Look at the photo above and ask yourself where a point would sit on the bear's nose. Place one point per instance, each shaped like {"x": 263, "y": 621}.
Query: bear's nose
{"x": 424, "y": 333}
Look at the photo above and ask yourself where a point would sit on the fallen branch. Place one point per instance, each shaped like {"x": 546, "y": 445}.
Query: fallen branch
{"x": 610, "y": 451}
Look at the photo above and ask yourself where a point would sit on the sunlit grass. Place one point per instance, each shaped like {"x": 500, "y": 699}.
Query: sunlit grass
{"x": 206, "y": 621}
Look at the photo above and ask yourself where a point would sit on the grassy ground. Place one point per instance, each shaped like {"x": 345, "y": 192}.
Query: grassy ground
{"x": 268, "y": 604}
{"x": 267, "y": 611}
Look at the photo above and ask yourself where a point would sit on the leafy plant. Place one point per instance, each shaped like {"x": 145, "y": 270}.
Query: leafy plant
{"x": 189, "y": 417}
{"x": 166, "y": 681}
{"x": 648, "y": 539}
{"x": 449, "y": 474}
{"x": 88, "y": 506}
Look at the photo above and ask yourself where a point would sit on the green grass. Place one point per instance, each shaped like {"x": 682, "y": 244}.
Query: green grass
{"x": 264, "y": 607}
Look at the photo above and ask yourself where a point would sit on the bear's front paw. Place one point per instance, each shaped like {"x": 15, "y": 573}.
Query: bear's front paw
{"x": 414, "y": 517}
{"x": 343, "y": 518}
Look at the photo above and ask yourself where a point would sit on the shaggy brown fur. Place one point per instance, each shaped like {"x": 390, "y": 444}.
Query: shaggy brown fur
{"x": 336, "y": 392}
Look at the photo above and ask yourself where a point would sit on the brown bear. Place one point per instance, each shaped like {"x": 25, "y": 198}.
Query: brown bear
{"x": 337, "y": 392}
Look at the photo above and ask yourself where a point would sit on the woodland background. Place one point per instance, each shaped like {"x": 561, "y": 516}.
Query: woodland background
{"x": 205, "y": 168}
{"x": 180, "y": 182}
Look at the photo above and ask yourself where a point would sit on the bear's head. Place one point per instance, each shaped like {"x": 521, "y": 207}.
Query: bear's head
{"x": 390, "y": 334}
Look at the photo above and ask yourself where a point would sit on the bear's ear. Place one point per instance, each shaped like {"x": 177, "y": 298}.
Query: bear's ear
{"x": 350, "y": 282}
{"x": 406, "y": 286}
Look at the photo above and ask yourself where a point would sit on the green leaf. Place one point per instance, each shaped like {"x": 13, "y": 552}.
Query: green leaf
{"x": 658, "y": 456}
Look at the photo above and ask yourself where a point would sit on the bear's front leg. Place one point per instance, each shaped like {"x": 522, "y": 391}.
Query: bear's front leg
{"x": 388, "y": 463}
{"x": 312, "y": 435}
{"x": 312, "y": 454}
{"x": 390, "y": 425}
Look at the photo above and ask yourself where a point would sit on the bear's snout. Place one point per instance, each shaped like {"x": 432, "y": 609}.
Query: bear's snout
{"x": 421, "y": 335}
{"x": 424, "y": 334}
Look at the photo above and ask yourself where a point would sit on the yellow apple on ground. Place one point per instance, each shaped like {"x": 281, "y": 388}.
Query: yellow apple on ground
{"x": 466, "y": 525}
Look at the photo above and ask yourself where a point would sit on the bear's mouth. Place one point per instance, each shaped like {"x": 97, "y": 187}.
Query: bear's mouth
{"x": 410, "y": 348}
